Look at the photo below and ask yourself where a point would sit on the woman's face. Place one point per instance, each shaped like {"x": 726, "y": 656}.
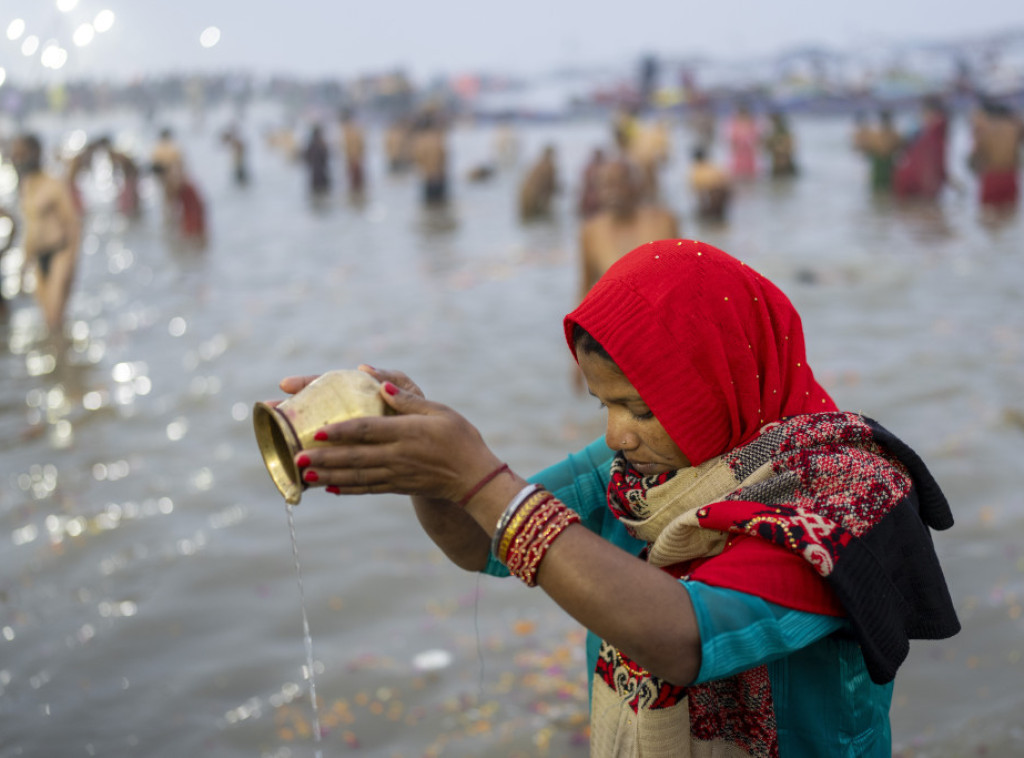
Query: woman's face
{"x": 632, "y": 427}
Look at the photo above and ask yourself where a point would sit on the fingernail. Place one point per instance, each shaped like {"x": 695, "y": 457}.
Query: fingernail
{"x": 302, "y": 461}
{"x": 311, "y": 476}
{"x": 320, "y": 436}
{"x": 333, "y": 489}
{"x": 390, "y": 388}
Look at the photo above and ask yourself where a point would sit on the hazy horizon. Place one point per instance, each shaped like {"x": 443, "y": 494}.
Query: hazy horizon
{"x": 448, "y": 37}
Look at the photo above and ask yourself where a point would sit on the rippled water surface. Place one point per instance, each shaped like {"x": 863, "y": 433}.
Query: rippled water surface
{"x": 148, "y": 600}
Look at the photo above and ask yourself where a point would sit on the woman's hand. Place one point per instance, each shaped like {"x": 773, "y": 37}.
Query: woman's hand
{"x": 295, "y": 384}
{"x": 426, "y": 449}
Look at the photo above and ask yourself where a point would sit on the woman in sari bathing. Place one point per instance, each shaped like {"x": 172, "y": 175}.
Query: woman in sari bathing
{"x": 749, "y": 560}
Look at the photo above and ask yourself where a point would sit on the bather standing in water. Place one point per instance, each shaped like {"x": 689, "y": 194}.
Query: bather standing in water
{"x": 623, "y": 223}
{"x": 921, "y": 169}
{"x": 168, "y": 165}
{"x": 539, "y": 187}
{"x": 780, "y": 146}
{"x": 882, "y": 145}
{"x": 317, "y": 157}
{"x": 995, "y": 157}
{"x": 53, "y": 230}
{"x": 711, "y": 186}
{"x": 744, "y": 135}
{"x": 430, "y": 154}
{"x": 353, "y": 143}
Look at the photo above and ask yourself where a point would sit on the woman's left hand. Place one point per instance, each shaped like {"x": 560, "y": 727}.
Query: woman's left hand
{"x": 426, "y": 449}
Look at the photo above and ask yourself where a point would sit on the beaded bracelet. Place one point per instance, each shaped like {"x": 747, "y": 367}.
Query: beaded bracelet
{"x": 509, "y": 511}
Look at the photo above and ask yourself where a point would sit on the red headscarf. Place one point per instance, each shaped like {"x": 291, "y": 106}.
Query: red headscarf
{"x": 714, "y": 349}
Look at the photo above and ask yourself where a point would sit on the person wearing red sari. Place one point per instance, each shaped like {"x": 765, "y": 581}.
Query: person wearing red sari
{"x": 744, "y": 137}
{"x": 921, "y": 168}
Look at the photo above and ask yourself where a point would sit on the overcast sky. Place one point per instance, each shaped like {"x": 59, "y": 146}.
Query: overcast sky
{"x": 428, "y": 37}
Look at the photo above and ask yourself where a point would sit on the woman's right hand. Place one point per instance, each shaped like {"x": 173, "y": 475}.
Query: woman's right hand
{"x": 425, "y": 449}
{"x": 295, "y": 384}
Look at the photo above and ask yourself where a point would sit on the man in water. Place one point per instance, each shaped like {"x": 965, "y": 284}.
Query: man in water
{"x": 53, "y": 229}
{"x": 354, "y": 146}
{"x": 317, "y": 157}
{"x": 539, "y": 187}
{"x": 649, "y": 151}
{"x": 622, "y": 224}
{"x": 590, "y": 190}
{"x": 711, "y": 184}
{"x": 127, "y": 171}
{"x": 239, "y": 166}
{"x": 430, "y": 154}
{"x": 184, "y": 208}
{"x": 881, "y": 146}
{"x": 779, "y": 145}
{"x": 998, "y": 138}
{"x": 169, "y": 166}
{"x": 398, "y": 145}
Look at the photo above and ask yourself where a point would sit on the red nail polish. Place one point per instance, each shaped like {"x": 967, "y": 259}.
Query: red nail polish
{"x": 333, "y": 489}
{"x": 320, "y": 436}
{"x": 311, "y": 476}
{"x": 302, "y": 461}
{"x": 390, "y": 388}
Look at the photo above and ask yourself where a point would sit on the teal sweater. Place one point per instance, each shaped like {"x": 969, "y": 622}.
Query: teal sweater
{"x": 825, "y": 701}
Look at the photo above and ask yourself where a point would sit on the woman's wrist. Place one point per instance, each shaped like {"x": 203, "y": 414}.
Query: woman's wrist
{"x": 488, "y": 505}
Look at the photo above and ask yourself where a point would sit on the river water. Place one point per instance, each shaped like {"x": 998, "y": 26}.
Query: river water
{"x": 148, "y": 600}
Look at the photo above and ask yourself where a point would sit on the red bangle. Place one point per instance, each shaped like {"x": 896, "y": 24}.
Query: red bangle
{"x": 543, "y": 526}
{"x": 481, "y": 484}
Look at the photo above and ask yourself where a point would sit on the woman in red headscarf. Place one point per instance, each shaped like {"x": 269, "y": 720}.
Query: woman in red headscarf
{"x": 749, "y": 561}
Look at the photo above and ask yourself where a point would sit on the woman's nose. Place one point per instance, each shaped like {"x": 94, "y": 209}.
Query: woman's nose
{"x": 617, "y": 435}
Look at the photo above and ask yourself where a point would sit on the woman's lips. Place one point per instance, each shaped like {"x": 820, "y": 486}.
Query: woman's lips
{"x": 648, "y": 469}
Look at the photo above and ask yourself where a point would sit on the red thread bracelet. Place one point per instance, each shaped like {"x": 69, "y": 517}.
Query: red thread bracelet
{"x": 481, "y": 484}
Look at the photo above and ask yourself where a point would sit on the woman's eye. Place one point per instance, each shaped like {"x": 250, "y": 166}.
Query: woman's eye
{"x": 644, "y": 416}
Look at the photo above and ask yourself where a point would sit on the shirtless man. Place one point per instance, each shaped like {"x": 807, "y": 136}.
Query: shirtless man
{"x": 590, "y": 190}
{"x": 779, "y": 144}
{"x": 317, "y": 157}
{"x": 184, "y": 208}
{"x": 861, "y": 132}
{"x": 539, "y": 187}
{"x": 53, "y": 230}
{"x": 169, "y": 166}
{"x": 649, "y": 150}
{"x": 398, "y": 146}
{"x": 621, "y": 225}
{"x": 127, "y": 171}
{"x": 998, "y": 138}
{"x": 430, "y": 155}
{"x": 354, "y": 146}
{"x": 239, "y": 150}
{"x": 712, "y": 186}
{"x": 881, "y": 145}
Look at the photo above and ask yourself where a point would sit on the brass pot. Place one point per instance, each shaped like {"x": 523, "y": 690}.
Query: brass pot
{"x": 284, "y": 429}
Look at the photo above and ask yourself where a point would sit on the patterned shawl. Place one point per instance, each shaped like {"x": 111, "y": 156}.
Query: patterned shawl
{"x": 850, "y": 506}
{"x": 824, "y": 512}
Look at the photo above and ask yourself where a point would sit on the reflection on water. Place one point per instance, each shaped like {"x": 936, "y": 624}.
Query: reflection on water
{"x": 147, "y": 600}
